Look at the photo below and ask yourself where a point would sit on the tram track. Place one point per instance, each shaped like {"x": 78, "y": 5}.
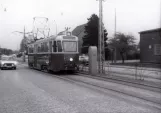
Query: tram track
{"x": 124, "y": 81}
{"x": 102, "y": 87}
{"x": 73, "y": 79}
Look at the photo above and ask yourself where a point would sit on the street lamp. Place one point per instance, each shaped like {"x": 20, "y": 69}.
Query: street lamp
{"x": 25, "y": 41}
{"x": 4, "y": 9}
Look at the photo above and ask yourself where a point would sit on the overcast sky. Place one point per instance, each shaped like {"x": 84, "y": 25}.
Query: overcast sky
{"x": 133, "y": 16}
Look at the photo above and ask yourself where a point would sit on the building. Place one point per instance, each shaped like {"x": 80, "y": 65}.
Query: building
{"x": 150, "y": 46}
{"x": 79, "y": 32}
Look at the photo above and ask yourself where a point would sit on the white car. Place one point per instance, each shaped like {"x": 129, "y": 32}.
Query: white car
{"x": 84, "y": 59}
{"x": 7, "y": 63}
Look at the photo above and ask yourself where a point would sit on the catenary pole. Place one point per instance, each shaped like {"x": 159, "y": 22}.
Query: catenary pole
{"x": 101, "y": 55}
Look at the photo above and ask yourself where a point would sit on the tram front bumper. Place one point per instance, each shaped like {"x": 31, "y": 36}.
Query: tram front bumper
{"x": 71, "y": 67}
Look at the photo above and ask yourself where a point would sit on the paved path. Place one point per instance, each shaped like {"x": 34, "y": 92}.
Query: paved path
{"x": 128, "y": 72}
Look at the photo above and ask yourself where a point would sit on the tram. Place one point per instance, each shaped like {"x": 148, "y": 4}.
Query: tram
{"x": 57, "y": 53}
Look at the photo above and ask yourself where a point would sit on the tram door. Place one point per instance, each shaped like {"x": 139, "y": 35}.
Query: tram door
{"x": 50, "y": 55}
{"x": 35, "y": 56}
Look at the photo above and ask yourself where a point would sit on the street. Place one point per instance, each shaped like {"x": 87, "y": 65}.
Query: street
{"x": 30, "y": 91}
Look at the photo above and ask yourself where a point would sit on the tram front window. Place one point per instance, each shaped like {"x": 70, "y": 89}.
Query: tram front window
{"x": 70, "y": 46}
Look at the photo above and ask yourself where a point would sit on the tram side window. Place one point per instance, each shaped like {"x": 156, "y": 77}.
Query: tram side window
{"x": 59, "y": 46}
{"x": 46, "y": 48}
{"x": 55, "y": 47}
{"x": 39, "y": 48}
{"x": 50, "y": 46}
{"x": 42, "y": 47}
{"x": 35, "y": 48}
{"x": 31, "y": 49}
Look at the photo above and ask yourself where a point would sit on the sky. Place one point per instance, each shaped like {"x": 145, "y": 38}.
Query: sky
{"x": 132, "y": 16}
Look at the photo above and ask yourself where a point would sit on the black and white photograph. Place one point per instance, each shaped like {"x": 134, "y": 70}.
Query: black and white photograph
{"x": 80, "y": 56}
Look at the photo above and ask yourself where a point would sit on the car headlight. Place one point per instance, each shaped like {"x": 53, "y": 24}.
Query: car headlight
{"x": 2, "y": 63}
{"x": 71, "y": 59}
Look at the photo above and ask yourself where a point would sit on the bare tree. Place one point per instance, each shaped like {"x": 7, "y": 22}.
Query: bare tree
{"x": 123, "y": 43}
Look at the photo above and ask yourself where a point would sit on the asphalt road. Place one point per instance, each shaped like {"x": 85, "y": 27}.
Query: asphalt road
{"x": 30, "y": 91}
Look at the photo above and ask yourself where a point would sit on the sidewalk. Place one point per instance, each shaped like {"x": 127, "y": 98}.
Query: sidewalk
{"x": 135, "y": 72}
{"x": 131, "y": 74}
{"x": 133, "y": 67}
{"x": 138, "y": 81}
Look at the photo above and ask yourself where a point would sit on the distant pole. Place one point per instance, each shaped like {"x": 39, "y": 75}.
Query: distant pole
{"x": 99, "y": 36}
{"x": 48, "y": 33}
{"x": 115, "y": 21}
{"x": 56, "y": 26}
{"x": 0, "y": 52}
{"x": 160, "y": 14}
{"x": 24, "y": 45}
{"x": 115, "y": 50}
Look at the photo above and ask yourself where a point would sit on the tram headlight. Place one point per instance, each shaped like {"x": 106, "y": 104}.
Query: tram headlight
{"x": 71, "y": 59}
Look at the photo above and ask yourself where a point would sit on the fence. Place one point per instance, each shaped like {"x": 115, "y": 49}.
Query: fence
{"x": 139, "y": 71}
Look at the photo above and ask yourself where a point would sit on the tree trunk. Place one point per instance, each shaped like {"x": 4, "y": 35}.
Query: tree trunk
{"x": 122, "y": 56}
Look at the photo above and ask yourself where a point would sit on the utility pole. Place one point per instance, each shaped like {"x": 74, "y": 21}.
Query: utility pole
{"x": 25, "y": 43}
{"x": 101, "y": 53}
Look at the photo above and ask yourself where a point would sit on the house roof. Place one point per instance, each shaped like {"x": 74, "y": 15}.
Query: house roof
{"x": 152, "y": 30}
{"x": 79, "y": 29}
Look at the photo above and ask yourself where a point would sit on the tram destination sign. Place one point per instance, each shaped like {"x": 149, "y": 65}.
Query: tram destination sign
{"x": 68, "y": 37}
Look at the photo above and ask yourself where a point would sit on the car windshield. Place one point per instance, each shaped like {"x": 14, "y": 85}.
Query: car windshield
{"x": 7, "y": 58}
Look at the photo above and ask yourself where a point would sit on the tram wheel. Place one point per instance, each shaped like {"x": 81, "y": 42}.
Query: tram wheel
{"x": 31, "y": 66}
{"x": 44, "y": 68}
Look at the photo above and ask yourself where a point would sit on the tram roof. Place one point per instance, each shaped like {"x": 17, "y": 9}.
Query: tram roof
{"x": 43, "y": 40}
{"x": 46, "y": 39}
{"x": 58, "y": 37}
